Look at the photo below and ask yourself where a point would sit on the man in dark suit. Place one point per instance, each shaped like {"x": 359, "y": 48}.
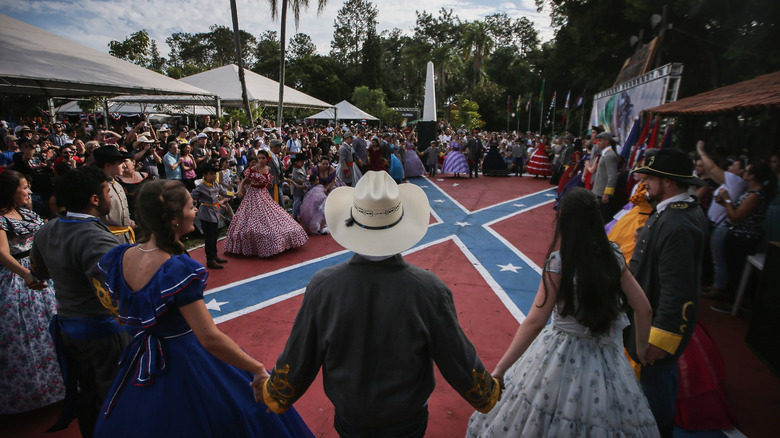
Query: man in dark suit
{"x": 605, "y": 178}
{"x": 667, "y": 264}
{"x": 475, "y": 152}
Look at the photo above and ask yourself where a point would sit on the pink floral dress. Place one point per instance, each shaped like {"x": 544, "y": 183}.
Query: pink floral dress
{"x": 261, "y": 227}
{"x": 30, "y": 375}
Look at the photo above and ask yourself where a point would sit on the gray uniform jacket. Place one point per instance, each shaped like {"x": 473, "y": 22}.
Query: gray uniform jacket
{"x": 376, "y": 328}
{"x": 119, "y": 216}
{"x": 360, "y": 148}
{"x": 606, "y": 173}
{"x": 346, "y": 155}
{"x": 208, "y": 211}
{"x": 67, "y": 250}
{"x": 667, "y": 264}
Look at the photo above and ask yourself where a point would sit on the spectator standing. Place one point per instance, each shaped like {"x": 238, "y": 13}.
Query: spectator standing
{"x": 360, "y": 148}
{"x": 147, "y": 152}
{"x": 58, "y": 137}
{"x": 294, "y": 143}
{"x": 131, "y": 181}
{"x": 744, "y": 221}
{"x": 172, "y": 161}
{"x": 111, "y": 162}
{"x": 731, "y": 180}
{"x": 188, "y": 165}
{"x": 11, "y": 148}
{"x": 39, "y": 173}
{"x": 276, "y": 170}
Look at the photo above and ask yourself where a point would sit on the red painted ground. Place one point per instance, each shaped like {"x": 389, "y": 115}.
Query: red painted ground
{"x": 478, "y": 193}
{"x": 754, "y": 392}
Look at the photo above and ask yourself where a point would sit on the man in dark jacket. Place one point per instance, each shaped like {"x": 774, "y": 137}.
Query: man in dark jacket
{"x": 376, "y": 324}
{"x": 475, "y": 152}
{"x": 667, "y": 264}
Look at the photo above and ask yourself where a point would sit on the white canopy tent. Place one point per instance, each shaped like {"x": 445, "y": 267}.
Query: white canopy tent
{"x": 343, "y": 111}
{"x": 33, "y": 61}
{"x": 72, "y": 107}
{"x": 223, "y": 81}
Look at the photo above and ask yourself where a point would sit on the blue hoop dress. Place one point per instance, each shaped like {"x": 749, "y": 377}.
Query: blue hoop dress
{"x": 455, "y": 161}
{"x": 169, "y": 385}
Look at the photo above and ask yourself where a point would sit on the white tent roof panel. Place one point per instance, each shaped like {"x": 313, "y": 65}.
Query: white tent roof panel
{"x": 33, "y": 61}
{"x": 346, "y": 111}
{"x": 224, "y": 82}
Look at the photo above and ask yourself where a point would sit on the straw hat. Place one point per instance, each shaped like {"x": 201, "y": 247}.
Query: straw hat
{"x": 378, "y": 217}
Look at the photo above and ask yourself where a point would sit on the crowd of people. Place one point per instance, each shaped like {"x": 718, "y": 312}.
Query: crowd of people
{"x": 94, "y": 271}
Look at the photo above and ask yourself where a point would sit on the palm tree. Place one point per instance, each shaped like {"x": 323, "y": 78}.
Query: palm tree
{"x": 478, "y": 44}
{"x": 297, "y": 6}
{"x": 240, "y": 61}
{"x": 447, "y": 63}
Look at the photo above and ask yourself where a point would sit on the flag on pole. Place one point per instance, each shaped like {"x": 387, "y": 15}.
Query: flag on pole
{"x": 519, "y": 98}
{"x": 552, "y": 104}
{"x": 633, "y": 136}
{"x": 667, "y": 141}
{"x": 568, "y": 96}
{"x": 652, "y": 142}
{"x": 528, "y": 105}
{"x": 640, "y": 142}
{"x": 508, "y": 102}
{"x": 580, "y": 100}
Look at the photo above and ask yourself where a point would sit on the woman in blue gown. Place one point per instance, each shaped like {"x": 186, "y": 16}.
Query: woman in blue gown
{"x": 180, "y": 375}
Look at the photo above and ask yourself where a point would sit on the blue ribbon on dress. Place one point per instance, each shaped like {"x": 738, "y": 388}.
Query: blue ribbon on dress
{"x": 142, "y": 360}
{"x": 76, "y": 328}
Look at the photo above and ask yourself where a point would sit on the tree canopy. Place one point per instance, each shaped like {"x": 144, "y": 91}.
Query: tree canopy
{"x": 483, "y": 62}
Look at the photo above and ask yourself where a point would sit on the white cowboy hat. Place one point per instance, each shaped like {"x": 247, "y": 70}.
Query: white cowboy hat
{"x": 378, "y": 217}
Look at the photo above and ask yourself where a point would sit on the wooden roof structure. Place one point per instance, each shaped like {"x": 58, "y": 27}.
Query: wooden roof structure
{"x": 758, "y": 94}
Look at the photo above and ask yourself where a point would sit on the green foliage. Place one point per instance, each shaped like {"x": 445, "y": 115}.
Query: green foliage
{"x": 482, "y": 61}
{"x": 195, "y": 53}
{"x": 356, "y": 19}
{"x": 267, "y": 52}
{"x": 139, "y": 49}
{"x": 92, "y": 104}
{"x": 372, "y": 101}
{"x": 466, "y": 112}
{"x": 300, "y": 46}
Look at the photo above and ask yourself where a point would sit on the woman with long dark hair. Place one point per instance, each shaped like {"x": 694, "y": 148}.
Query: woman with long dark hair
{"x": 572, "y": 377}
{"x": 745, "y": 222}
{"x": 29, "y": 372}
{"x": 187, "y": 167}
{"x": 180, "y": 375}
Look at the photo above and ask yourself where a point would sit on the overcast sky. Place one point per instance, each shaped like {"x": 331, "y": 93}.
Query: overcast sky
{"x": 96, "y": 22}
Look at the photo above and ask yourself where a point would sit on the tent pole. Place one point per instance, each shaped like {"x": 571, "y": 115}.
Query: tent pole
{"x": 105, "y": 115}
{"x": 219, "y": 107}
{"x": 52, "y": 116}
